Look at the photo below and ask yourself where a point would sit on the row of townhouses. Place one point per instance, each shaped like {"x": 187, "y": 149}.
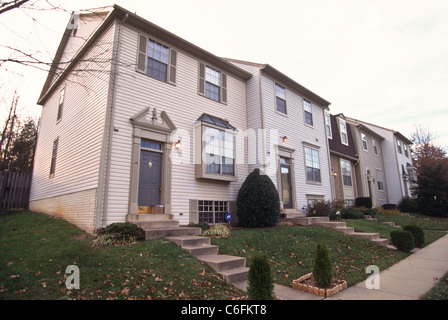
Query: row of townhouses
{"x": 138, "y": 120}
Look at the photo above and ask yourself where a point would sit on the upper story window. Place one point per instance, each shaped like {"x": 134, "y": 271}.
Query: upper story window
{"x": 406, "y": 150}
{"x": 379, "y": 179}
{"x": 328, "y": 126}
{"x": 61, "y": 103}
{"x": 156, "y": 60}
{"x": 364, "y": 141}
{"x": 280, "y": 97}
{"x": 375, "y": 147}
{"x": 343, "y": 130}
{"x": 312, "y": 164}
{"x": 212, "y": 83}
{"x": 399, "y": 146}
{"x": 346, "y": 172}
{"x": 308, "y": 109}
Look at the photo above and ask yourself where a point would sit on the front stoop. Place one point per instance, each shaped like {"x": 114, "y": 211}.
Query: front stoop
{"x": 160, "y": 226}
{"x": 233, "y": 269}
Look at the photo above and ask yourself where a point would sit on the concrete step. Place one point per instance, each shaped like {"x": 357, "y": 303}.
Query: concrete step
{"x": 235, "y": 275}
{"x": 190, "y": 241}
{"x": 172, "y": 232}
{"x": 366, "y": 235}
{"x": 331, "y": 224}
{"x": 383, "y": 242}
{"x": 202, "y": 250}
{"x": 158, "y": 224}
{"x": 223, "y": 262}
{"x": 346, "y": 230}
{"x": 308, "y": 221}
{"x": 137, "y": 217}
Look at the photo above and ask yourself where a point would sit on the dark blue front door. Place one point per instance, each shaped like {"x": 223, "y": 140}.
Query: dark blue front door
{"x": 150, "y": 178}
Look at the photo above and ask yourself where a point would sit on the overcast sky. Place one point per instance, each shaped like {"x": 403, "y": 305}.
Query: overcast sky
{"x": 384, "y": 62}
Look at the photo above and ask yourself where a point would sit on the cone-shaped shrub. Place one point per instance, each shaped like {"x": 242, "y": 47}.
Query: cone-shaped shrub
{"x": 322, "y": 268}
{"x": 258, "y": 202}
{"x": 260, "y": 280}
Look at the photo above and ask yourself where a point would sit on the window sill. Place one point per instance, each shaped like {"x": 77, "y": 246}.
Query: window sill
{"x": 316, "y": 183}
{"x": 216, "y": 177}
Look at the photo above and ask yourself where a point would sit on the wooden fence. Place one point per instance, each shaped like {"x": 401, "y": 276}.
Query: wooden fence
{"x": 14, "y": 190}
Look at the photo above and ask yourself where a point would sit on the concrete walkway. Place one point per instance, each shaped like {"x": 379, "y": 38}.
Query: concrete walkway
{"x": 407, "y": 280}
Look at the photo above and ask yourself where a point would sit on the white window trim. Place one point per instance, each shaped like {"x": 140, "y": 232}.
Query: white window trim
{"x": 344, "y": 123}
{"x": 306, "y": 111}
{"x": 328, "y": 125}
{"x": 364, "y": 140}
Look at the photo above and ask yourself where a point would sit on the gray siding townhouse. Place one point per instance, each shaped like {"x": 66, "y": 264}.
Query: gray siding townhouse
{"x": 398, "y": 171}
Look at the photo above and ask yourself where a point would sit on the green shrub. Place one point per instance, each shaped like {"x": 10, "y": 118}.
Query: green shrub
{"x": 203, "y": 225}
{"x": 258, "y": 202}
{"x": 319, "y": 209}
{"x": 390, "y": 206}
{"x": 363, "y": 202}
{"x": 112, "y": 239}
{"x": 352, "y": 213}
{"x": 322, "y": 268}
{"x": 260, "y": 279}
{"x": 417, "y": 232}
{"x": 218, "y": 230}
{"x": 408, "y": 205}
{"x": 125, "y": 231}
{"x": 402, "y": 240}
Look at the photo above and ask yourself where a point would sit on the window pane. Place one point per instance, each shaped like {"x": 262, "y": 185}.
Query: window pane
{"x": 281, "y": 105}
{"x": 157, "y": 69}
{"x": 213, "y": 76}
{"x": 280, "y": 92}
{"x": 212, "y": 91}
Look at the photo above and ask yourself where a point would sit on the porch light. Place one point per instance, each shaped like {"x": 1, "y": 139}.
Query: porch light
{"x": 178, "y": 144}
{"x": 284, "y": 139}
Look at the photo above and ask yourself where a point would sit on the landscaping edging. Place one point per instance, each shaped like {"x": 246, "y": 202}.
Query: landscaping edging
{"x": 297, "y": 284}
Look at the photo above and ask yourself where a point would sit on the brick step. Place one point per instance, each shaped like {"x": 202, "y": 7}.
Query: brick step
{"x": 171, "y": 232}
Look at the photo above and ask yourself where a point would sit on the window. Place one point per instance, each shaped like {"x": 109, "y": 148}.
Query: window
{"x": 212, "y": 83}
{"x": 346, "y": 173}
{"x": 280, "y": 96}
{"x": 148, "y": 144}
{"x": 364, "y": 141}
{"x": 219, "y": 152}
{"x": 328, "y": 126}
{"x": 406, "y": 150}
{"x": 156, "y": 60}
{"x": 61, "y": 103}
{"x": 308, "y": 109}
{"x": 343, "y": 129}
{"x": 212, "y": 211}
{"x": 375, "y": 147}
{"x": 312, "y": 165}
{"x": 399, "y": 146}
{"x": 379, "y": 179}
{"x": 53, "y": 157}
{"x": 349, "y": 203}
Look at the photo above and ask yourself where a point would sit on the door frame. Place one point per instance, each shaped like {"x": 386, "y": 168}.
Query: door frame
{"x": 150, "y": 125}
{"x": 288, "y": 154}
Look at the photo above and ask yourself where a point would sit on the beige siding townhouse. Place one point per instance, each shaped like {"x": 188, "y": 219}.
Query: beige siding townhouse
{"x": 138, "y": 120}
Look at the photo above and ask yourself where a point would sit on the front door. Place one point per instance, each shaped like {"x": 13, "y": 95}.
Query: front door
{"x": 285, "y": 171}
{"x": 150, "y": 187}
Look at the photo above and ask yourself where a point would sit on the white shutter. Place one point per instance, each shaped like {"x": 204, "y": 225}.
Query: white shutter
{"x": 223, "y": 88}
{"x": 173, "y": 66}
{"x": 194, "y": 214}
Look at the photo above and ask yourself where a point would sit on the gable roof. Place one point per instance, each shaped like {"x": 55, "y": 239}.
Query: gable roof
{"x": 284, "y": 79}
{"x": 125, "y": 16}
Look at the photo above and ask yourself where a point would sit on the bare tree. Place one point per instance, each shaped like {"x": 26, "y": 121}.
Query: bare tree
{"x": 10, "y": 5}
{"x": 8, "y": 133}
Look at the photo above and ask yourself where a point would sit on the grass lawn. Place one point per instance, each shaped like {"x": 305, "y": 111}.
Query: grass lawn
{"x": 36, "y": 249}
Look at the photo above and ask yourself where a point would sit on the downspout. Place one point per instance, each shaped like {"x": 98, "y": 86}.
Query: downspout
{"x": 263, "y": 133}
{"x": 104, "y": 173}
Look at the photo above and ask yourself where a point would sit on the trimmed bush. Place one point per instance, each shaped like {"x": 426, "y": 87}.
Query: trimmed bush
{"x": 352, "y": 213}
{"x": 322, "y": 268}
{"x": 125, "y": 231}
{"x": 260, "y": 279}
{"x": 218, "y": 230}
{"x": 408, "y": 205}
{"x": 402, "y": 240}
{"x": 258, "y": 202}
{"x": 363, "y": 202}
{"x": 417, "y": 232}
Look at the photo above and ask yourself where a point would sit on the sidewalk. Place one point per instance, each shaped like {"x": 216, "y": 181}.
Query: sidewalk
{"x": 408, "y": 279}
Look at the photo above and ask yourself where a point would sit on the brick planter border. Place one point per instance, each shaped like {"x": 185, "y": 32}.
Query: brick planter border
{"x": 296, "y": 284}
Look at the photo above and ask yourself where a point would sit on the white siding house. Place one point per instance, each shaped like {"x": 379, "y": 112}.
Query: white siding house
{"x": 293, "y": 119}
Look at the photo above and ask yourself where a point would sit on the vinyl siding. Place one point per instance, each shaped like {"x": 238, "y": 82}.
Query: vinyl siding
{"x": 292, "y": 125}
{"x": 183, "y": 104}
{"x": 80, "y": 131}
